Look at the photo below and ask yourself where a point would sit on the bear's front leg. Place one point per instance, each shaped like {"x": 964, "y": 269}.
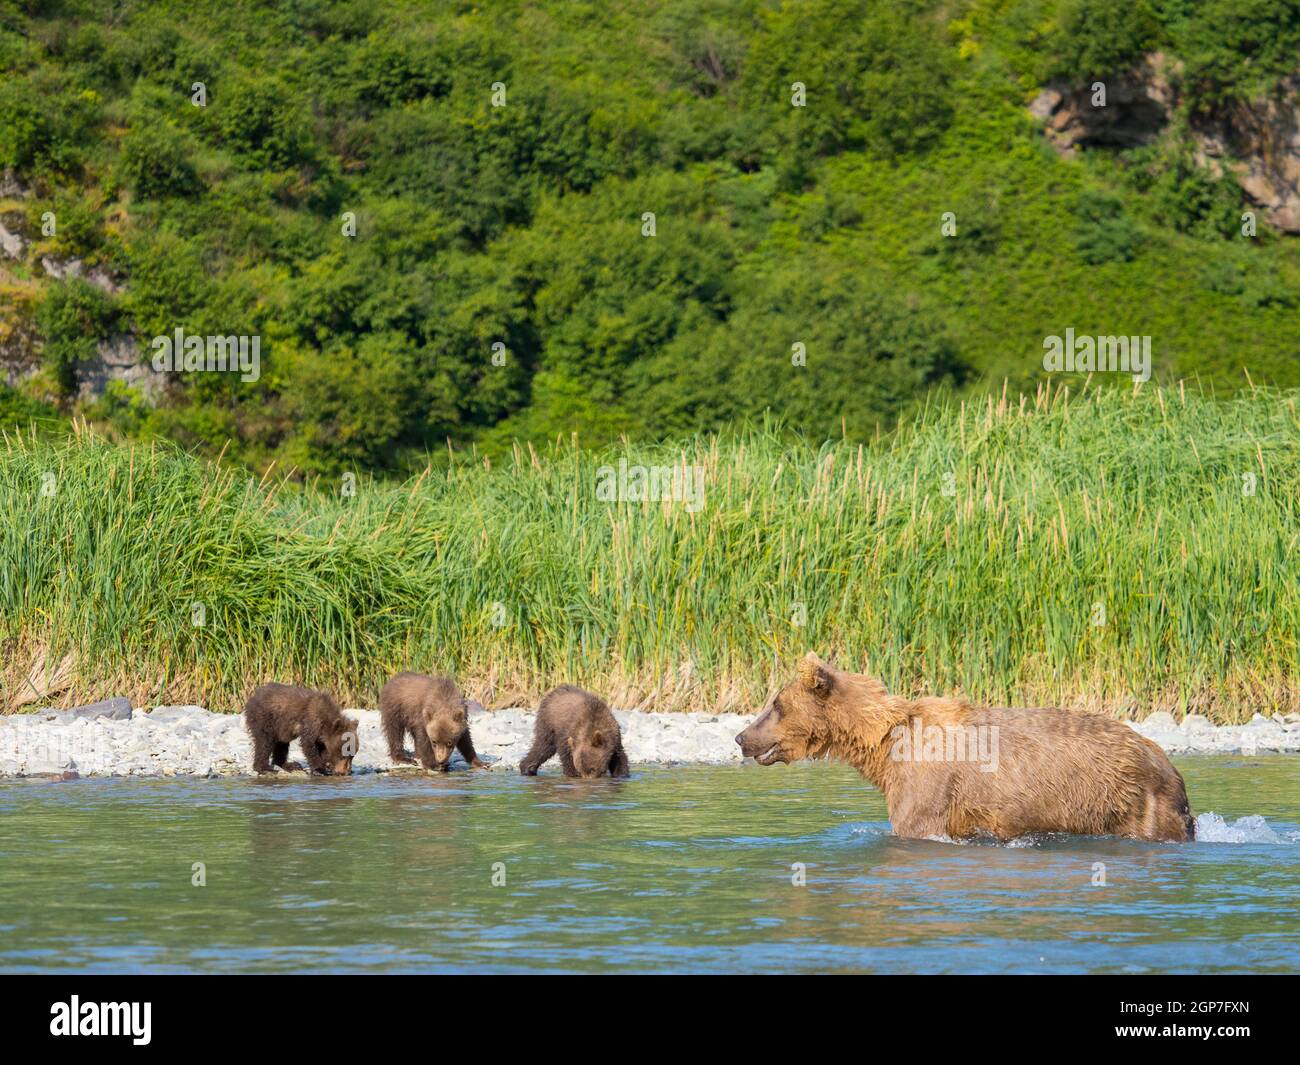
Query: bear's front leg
{"x": 913, "y": 819}
{"x": 395, "y": 734}
{"x": 424, "y": 749}
{"x": 542, "y": 749}
{"x": 567, "y": 763}
{"x": 314, "y": 751}
{"x": 618, "y": 766}
{"x": 263, "y": 748}
{"x": 315, "y": 763}
{"x": 279, "y": 758}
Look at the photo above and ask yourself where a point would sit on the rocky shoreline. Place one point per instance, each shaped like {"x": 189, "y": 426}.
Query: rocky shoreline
{"x": 113, "y": 739}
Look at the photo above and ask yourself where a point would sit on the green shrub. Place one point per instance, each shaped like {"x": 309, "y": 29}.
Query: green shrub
{"x": 1239, "y": 273}
{"x": 386, "y": 72}
{"x": 1183, "y": 194}
{"x": 263, "y": 124}
{"x": 1098, "y": 38}
{"x": 876, "y": 76}
{"x": 868, "y": 351}
{"x": 155, "y": 163}
{"x": 18, "y": 411}
{"x": 980, "y": 222}
{"x": 72, "y": 319}
{"x": 1237, "y": 49}
{"x": 169, "y": 286}
{"x": 26, "y": 128}
{"x": 79, "y": 230}
{"x": 1103, "y": 231}
{"x": 44, "y": 124}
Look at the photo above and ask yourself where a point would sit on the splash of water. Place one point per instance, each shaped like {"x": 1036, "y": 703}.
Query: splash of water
{"x": 1211, "y": 828}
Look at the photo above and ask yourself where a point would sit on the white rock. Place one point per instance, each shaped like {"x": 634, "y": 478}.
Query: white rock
{"x": 188, "y": 740}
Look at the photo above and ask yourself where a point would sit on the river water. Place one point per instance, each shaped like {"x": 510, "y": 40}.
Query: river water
{"x": 693, "y": 868}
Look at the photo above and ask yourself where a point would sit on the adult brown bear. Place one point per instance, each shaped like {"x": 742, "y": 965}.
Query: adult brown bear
{"x": 950, "y": 769}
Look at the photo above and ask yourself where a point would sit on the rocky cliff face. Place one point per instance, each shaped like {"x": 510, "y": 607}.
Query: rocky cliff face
{"x": 19, "y": 344}
{"x": 1257, "y": 141}
{"x": 116, "y": 358}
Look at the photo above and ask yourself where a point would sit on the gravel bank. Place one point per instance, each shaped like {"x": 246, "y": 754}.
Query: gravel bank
{"x": 190, "y": 741}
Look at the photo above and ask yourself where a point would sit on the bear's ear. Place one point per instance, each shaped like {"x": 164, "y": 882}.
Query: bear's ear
{"x": 816, "y": 676}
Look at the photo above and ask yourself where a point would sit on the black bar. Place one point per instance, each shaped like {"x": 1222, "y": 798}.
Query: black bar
{"x": 344, "y": 1013}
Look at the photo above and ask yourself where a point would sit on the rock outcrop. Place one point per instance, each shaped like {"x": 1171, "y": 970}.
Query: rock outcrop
{"x": 117, "y": 358}
{"x": 70, "y": 268}
{"x": 1136, "y": 111}
{"x": 19, "y": 343}
{"x": 1258, "y": 141}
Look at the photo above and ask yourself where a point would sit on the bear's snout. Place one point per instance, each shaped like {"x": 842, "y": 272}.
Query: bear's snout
{"x": 761, "y": 740}
{"x": 752, "y": 744}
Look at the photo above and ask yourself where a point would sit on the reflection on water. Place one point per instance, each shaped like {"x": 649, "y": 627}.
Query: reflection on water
{"x": 691, "y": 868}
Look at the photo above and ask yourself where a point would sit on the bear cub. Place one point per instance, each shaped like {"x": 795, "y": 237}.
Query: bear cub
{"x": 275, "y": 714}
{"x": 581, "y": 729}
{"x": 434, "y": 712}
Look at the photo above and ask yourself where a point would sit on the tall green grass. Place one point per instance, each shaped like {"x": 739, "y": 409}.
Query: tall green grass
{"x": 1102, "y": 550}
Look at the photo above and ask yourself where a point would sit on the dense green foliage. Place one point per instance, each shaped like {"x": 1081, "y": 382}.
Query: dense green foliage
{"x": 1229, "y": 48}
{"x": 525, "y": 226}
{"x": 73, "y": 317}
{"x": 1046, "y": 550}
{"x": 17, "y": 412}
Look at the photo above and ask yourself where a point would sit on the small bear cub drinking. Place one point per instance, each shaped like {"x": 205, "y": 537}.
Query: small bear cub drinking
{"x": 581, "y": 729}
{"x": 276, "y": 714}
{"x": 434, "y": 711}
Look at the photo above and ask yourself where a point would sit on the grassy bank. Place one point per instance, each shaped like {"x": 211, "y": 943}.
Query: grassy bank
{"x": 1094, "y": 550}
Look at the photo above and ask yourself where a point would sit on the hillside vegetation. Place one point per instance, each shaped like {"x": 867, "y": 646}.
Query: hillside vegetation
{"x": 524, "y": 225}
